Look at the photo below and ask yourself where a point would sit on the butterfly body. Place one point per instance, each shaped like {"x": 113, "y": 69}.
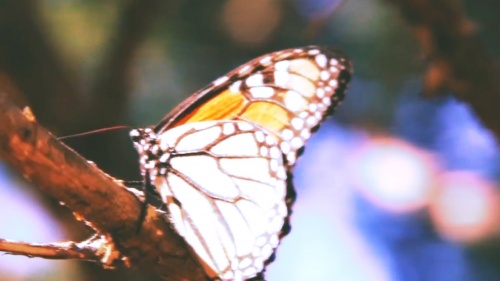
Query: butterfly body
{"x": 222, "y": 160}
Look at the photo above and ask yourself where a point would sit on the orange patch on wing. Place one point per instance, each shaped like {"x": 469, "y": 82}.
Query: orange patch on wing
{"x": 224, "y": 106}
{"x": 232, "y": 106}
{"x": 268, "y": 115}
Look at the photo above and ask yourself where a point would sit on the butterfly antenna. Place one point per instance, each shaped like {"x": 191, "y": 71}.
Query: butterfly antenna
{"x": 120, "y": 127}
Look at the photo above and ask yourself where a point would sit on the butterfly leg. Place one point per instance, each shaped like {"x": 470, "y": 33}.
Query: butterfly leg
{"x": 151, "y": 197}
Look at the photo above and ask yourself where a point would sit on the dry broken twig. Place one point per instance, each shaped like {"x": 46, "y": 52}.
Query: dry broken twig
{"x": 90, "y": 250}
{"x": 105, "y": 205}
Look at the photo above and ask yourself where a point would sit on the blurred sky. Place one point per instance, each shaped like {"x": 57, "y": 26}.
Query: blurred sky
{"x": 394, "y": 187}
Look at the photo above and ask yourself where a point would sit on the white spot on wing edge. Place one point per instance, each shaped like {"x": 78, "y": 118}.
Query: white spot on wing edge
{"x": 285, "y": 147}
{"x": 245, "y": 70}
{"x": 324, "y": 75}
{"x": 333, "y": 83}
{"x": 320, "y": 92}
{"x": 265, "y": 60}
{"x": 313, "y": 52}
{"x": 220, "y": 80}
{"x": 297, "y": 143}
{"x": 287, "y": 134}
{"x": 321, "y": 60}
{"x": 297, "y": 123}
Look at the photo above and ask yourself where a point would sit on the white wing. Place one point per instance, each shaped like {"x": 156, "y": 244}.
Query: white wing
{"x": 224, "y": 184}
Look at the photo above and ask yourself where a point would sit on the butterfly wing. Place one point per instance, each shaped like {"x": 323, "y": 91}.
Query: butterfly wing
{"x": 287, "y": 92}
{"x": 217, "y": 159}
{"x": 224, "y": 187}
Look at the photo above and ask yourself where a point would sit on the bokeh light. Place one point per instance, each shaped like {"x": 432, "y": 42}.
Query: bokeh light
{"x": 251, "y": 23}
{"x": 465, "y": 207}
{"x": 393, "y": 174}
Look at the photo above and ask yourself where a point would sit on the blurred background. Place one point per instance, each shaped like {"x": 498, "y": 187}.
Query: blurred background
{"x": 395, "y": 186}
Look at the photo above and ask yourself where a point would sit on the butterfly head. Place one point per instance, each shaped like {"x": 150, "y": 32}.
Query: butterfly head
{"x": 143, "y": 139}
{"x": 151, "y": 155}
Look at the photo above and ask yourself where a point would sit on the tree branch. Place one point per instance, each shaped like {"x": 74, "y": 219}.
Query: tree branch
{"x": 102, "y": 202}
{"x": 458, "y": 60}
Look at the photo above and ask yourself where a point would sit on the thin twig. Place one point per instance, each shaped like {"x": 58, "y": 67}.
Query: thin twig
{"x": 56, "y": 251}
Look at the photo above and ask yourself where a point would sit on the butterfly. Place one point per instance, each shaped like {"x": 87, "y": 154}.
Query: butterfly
{"x": 222, "y": 161}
